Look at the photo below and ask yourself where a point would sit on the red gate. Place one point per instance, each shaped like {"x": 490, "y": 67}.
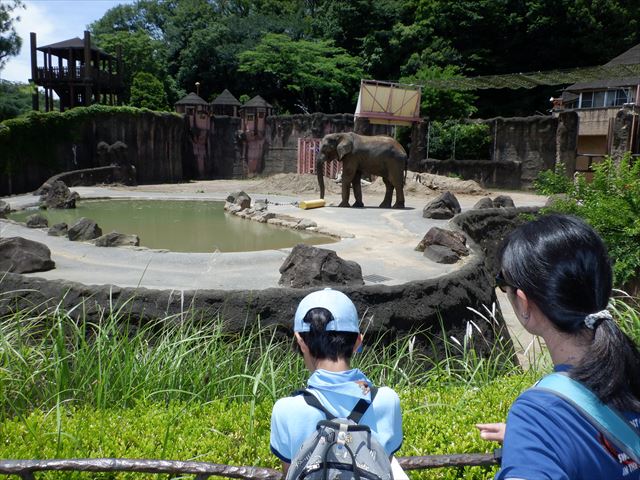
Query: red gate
{"x": 308, "y": 148}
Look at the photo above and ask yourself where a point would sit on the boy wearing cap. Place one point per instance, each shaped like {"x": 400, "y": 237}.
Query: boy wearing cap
{"x": 327, "y": 333}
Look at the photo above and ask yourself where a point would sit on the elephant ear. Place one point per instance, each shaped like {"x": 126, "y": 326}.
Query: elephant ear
{"x": 344, "y": 147}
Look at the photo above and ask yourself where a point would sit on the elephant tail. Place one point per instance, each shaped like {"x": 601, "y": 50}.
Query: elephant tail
{"x": 406, "y": 167}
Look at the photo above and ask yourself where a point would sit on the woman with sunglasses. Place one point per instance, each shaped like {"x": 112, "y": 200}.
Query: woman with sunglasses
{"x": 558, "y": 278}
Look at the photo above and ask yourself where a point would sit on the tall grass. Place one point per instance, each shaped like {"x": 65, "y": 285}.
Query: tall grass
{"x": 52, "y": 359}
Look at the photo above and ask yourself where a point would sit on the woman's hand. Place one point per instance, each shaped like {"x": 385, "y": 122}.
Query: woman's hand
{"x": 492, "y": 432}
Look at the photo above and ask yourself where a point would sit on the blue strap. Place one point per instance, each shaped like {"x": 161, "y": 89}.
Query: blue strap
{"x": 605, "y": 419}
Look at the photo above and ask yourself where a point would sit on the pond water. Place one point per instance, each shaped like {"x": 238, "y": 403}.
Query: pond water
{"x": 180, "y": 226}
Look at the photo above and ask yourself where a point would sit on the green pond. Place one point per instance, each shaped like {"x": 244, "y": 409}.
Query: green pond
{"x": 180, "y": 226}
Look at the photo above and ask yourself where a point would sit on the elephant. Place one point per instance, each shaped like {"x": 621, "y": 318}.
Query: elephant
{"x": 375, "y": 155}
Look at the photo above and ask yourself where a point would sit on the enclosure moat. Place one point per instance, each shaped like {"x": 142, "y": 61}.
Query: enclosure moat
{"x": 180, "y": 225}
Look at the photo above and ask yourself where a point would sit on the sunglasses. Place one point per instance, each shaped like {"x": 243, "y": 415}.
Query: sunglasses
{"x": 501, "y": 283}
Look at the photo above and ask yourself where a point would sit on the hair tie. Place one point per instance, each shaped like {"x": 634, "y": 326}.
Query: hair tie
{"x": 593, "y": 319}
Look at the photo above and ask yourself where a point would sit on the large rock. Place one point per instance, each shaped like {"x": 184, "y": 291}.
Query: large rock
{"x": 444, "y": 206}
{"x": 440, "y": 254}
{"x": 57, "y": 195}
{"x": 19, "y": 255}
{"x": 484, "y": 202}
{"x": 115, "y": 239}
{"x": 84, "y": 229}
{"x": 240, "y": 198}
{"x": 59, "y": 230}
{"x": 36, "y": 221}
{"x": 308, "y": 266}
{"x": 503, "y": 201}
{"x": 455, "y": 241}
{"x": 4, "y": 209}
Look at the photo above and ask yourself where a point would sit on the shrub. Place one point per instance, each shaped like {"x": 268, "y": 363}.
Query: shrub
{"x": 451, "y": 139}
{"x": 610, "y": 203}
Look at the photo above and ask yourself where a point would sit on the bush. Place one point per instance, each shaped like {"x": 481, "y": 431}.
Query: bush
{"x": 610, "y": 203}
{"x": 450, "y": 139}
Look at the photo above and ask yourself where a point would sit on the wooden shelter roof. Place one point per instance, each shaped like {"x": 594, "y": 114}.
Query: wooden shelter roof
{"x": 257, "y": 101}
{"x": 61, "y": 49}
{"x": 192, "y": 99}
{"x": 226, "y": 98}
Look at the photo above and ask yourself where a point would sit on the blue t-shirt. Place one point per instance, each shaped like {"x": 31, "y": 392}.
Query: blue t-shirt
{"x": 547, "y": 438}
{"x": 293, "y": 420}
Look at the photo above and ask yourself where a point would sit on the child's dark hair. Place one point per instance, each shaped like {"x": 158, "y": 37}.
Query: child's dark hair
{"x": 562, "y": 264}
{"x": 323, "y": 344}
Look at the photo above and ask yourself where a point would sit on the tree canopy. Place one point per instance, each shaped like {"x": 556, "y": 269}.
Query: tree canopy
{"x": 305, "y": 55}
{"x": 10, "y": 42}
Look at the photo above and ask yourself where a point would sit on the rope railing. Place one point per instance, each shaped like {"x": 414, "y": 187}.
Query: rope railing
{"x": 26, "y": 469}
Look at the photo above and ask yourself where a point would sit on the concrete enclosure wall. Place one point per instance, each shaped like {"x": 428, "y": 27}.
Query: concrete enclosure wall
{"x": 521, "y": 149}
{"x": 155, "y": 147}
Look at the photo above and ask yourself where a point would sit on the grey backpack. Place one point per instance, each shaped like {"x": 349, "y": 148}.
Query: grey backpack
{"x": 340, "y": 448}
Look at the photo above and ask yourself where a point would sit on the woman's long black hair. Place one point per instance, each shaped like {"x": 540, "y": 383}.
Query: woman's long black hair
{"x": 562, "y": 264}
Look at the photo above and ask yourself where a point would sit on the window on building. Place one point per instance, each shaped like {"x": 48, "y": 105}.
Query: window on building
{"x": 586, "y": 99}
{"x": 260, "y": 114}
{"x": 622, "y": 96}
{"x": 598, "y": 98}
{"x": 189, "y": 110}
{"x": 250, "y": 117}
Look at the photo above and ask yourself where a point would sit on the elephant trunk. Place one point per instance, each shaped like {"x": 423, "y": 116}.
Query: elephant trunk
{"x": 320, "y": 173}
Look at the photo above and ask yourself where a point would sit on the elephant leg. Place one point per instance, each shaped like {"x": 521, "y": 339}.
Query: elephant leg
{"x": 399, "y": 195}
{"x": 388, "y": 194}
{"x": 346, "y": 185}
{"x": 357, "y": 190}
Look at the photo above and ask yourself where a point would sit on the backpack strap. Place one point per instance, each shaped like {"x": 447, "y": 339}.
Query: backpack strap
{"x": 362, "y": 405}
{"x": 355, "y": 415}
{"x": 605, "y": 419}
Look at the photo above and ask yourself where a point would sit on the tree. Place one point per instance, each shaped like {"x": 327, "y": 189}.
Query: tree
{"x": 10, "y": 42}
{"x": 15, "y": 99}
{"x": 148, "y": 92}
{"x": 306, "y": 76}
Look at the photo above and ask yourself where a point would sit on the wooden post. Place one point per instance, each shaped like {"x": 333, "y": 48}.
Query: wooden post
{"x": 88, "y": 71}
{"x": 35, "y": 100}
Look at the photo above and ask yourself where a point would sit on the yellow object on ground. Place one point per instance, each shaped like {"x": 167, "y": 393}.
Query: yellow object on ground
{"x": 306, "y": 204}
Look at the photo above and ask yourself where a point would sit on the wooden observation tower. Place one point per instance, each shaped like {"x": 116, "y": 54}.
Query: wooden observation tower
{"x": 80, "y": 76}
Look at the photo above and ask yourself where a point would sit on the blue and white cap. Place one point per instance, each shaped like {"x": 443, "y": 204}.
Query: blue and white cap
{"x": 345, "y": 315}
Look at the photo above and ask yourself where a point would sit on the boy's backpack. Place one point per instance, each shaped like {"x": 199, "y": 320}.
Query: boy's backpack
{"x": 340, "y": 448}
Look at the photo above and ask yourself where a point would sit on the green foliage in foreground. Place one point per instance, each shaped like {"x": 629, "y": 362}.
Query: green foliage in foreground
{"x": 438, "y": 418}
{"x": 610, "y": 203}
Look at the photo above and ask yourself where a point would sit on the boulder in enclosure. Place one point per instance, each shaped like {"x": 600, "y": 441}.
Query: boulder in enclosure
{"x": 308, "y": 266}
{"x": 240, "y": 198}
{"x": 84, "y": 229}
{"x": 455, "y": 241}
{"x": 440, "y": 254}
{"x": 37, "y": 221}
{"x": 503, "y": 201}
{"x": 484, "y": 202}
{"x": 442, "y": 207}
{"x": 115, "y": 239}
{"x": 57, "y": 195}
{"x": 58, "y": 230}
{"x": 4, "y": 209}
{"x": 19, "y": 255}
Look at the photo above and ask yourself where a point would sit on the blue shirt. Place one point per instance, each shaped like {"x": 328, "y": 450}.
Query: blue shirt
{"x": 547, "y": 438}
{"x": 293, "y": 420}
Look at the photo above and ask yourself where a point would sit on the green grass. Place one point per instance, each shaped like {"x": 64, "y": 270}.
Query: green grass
{"x": 181, "y": 388}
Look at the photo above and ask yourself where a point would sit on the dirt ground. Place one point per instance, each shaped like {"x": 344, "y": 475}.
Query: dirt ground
{"x": 418, "y": 186}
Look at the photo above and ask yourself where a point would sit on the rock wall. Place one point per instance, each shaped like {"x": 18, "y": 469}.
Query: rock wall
{"x": 521, "y": 149}
{"x": 155, "y": 146}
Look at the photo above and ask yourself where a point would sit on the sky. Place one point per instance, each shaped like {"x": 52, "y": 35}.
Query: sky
{"x": 52, "y": 21}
